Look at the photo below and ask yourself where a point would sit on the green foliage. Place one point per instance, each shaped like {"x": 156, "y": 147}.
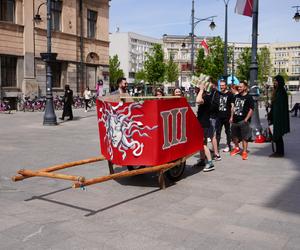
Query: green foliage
{"x": 154, "y": 66}
{"x": 172, "y": 71}
{"x": 200, "y": 60}
{"x": 114, "y": 71}
{"x": 243, "y": 65}
{"x": 214, "y": 62}
{"x": 140, "y": 76}
{"x": 264, "y": 65}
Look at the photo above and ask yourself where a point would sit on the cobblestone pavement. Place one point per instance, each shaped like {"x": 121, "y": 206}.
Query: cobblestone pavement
{"x": 252, "y": 204}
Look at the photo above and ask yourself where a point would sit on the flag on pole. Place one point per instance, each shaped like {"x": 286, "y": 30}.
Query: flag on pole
{"x": 205, "y": 46}
{"x": 244, "y": 7}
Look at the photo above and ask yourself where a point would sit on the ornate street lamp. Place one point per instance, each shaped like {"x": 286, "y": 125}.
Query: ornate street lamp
{"x": 49, "y": 58}
{"x": 225, "y": 72}
{"x": 195, "y": 21}
{"x": 297, "y": 15}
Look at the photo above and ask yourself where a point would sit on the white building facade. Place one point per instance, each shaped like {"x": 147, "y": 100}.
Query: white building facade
{"x": 131, "y": 48}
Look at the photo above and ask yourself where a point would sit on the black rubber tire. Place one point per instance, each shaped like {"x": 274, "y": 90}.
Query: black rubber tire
{"x": 175, "y": 173}
{"x": 130, "y": 168}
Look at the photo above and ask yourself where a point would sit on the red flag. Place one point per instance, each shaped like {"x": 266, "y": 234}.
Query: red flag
{"x": 244, "y": 7}
{"x": 205, "y": 46}
{"x": 150, "y": 133}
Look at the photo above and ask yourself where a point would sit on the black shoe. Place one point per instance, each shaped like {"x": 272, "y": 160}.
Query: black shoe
{"x": 217, "y": 158}
{"x": 70, "y": 119}
{"x": 208, "y": 167}
{"x": 60, "y": 118}
{"x": 276, "y": 155}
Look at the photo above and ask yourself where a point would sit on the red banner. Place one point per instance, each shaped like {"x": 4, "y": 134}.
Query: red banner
{"x": 148, "y": 133}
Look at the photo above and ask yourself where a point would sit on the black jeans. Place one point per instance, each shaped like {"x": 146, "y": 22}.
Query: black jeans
{"x": 295, "y": 109}
{"x": 87, "y": 101}
{"x": 219, "y": 124}
{"x": 279, "y": 146}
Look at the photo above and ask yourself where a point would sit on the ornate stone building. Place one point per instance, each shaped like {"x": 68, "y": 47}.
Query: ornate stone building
{"x": 80, "y": 37}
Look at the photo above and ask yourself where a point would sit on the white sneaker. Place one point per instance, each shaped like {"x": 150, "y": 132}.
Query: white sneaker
{"x": 226, "y": 150}
{"x": 85, "y": 111}
{"x": 208, "y": 140}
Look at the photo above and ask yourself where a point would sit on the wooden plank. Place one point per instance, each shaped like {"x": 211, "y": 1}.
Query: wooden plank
{"x": 30, "y": 173}
{"x": 61, "y": 166}
{"x": 122, "y": 174}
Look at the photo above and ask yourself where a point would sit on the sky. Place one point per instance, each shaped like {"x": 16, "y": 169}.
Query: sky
{"x": 173, "y": 17}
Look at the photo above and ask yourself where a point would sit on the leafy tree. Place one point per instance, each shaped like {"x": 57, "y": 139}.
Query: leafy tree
{"x": 140, "y": 76}
{"x": 200, "y": 61}
{"x": 172, "y": 71}
{"x": 214, "y": 62}
{"x": 154, "y": 66}
{"x": 243, "y": 65}
{"x": 264, "y": 65}
{"x": 114, "y": 71}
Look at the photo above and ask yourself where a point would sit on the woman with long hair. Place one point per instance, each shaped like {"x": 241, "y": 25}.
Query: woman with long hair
{"x": 279, "y": 115}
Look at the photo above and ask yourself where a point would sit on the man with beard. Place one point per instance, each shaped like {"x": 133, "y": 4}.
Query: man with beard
{"x": 240, "y": 118}
{"x": 223, "y": 116}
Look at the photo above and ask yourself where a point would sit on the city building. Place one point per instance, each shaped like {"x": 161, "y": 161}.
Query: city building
{"x": 79, "y": 35}
{"x": 285, "y": 57}
{"x": 180, "y": 47}
{"x": 131, "y": 48}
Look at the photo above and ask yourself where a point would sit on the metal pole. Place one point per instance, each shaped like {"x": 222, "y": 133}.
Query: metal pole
{"x": 193, "y": 38}
{"x": 232, "y": 71}
{"x": 255, "y": 121}
{"x": 225, "y": 42}
{"x": 49, "y": 115}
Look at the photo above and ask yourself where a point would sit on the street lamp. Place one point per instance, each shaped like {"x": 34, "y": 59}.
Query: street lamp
{"x": 297, "y": 15}
{"x": 255, "y": 121}
{"x": 49, "y": 58}
{"x": 195, "y": 21}
{"x": 225, "y": 72}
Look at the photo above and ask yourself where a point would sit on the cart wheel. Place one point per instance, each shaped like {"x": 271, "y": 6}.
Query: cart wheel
{"x": 175, "y": 173}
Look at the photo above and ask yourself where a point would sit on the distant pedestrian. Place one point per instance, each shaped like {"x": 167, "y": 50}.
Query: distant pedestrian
{"x": 240, "y": 118}
{"x": 279, "y": 115}
{"x": 295, "y": 109}
{"x": 159, "y": 92}
{"x": 87, "y": 94}
{"x": 99, "y": 88}
{"x": 203, "y": 99}
{"x": 178, "y": 92}
{"x": 68, "y": 102}
{"x": 223, "y": 117}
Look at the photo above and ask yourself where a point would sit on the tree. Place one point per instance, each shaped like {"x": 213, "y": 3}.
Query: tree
{"x": 200, "y": 62}
{"x": 264, "y": 65}
{"x": 114, "y": 71}
{"x": 140, "y": 76}
{"x": 172, "y": 71}
{"x": 243, "y": 65}
{"x": 154, "y": 65}
{"x": 214, "y": 61}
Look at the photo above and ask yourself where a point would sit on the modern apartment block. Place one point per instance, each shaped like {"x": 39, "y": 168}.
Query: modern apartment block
{"x": 285, "y": 57}
{"x": 80, "y": 37}
{"x": 131, "y": 48}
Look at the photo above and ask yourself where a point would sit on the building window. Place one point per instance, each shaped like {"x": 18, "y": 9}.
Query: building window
{"x": 91, "y": 23}
{"x": 8, "y": 71}
{"x": 56, "y": 74}
{"x": 56, "y": 8}
{"x": 7, "y": 10}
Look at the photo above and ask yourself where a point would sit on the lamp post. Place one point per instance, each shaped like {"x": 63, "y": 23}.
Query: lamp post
{"x": 232, "y": 70}
{"x": 195, "y": 21}
{"x": 297, "y": 15}
{"x": 225, "y": 73}
{"x": 49, "y": 58}
{"x": 255, "y": 121}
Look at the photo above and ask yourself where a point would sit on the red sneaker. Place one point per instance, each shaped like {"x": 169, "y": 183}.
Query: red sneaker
{"x": 244, "y": 155}
{"x": 235, "y": 151}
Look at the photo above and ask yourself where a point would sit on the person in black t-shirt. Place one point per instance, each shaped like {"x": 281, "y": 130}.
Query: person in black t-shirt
{"x": 223, "y": 116}
{"x": 240, "y": 118}
{"x": 203, "y": 114}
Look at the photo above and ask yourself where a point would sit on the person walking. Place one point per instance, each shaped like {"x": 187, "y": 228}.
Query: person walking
{"x": 223, "y": 116}
{"x": 295, "y": 109}
{"x": 87, "y": 94}
{"x": 203, "y": 114}
{"x": 68, "y": 102}
{"x": 279, "y": 115}
{"x": 240, "y": 118}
